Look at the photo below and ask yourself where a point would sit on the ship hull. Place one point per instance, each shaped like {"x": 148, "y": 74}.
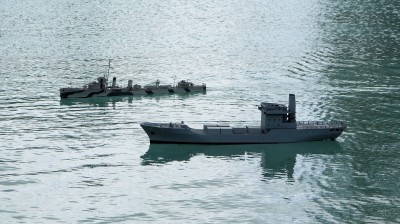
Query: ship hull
{"x": 86, "y": 93}
{"x": 166, "y": 134}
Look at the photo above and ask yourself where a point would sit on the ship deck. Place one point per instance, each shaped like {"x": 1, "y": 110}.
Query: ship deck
{"x": 300, "y": 125}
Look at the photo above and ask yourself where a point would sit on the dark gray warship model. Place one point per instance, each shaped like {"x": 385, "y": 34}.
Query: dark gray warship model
{"x": 278, "y": 125}
{"x": 100, "y": 88}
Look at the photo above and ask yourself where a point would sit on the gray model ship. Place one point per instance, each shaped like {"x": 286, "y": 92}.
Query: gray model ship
{"x": 278, "y": 125}
{"x": 100, "y": 88}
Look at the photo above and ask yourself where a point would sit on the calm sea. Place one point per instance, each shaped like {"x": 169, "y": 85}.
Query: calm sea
{"x": 88, "y": 161}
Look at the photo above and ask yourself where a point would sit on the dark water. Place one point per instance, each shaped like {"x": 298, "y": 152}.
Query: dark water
{"x": 89, "y": 161}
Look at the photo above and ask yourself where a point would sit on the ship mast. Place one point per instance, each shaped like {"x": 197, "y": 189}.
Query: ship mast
{"x": 108, "y": 71}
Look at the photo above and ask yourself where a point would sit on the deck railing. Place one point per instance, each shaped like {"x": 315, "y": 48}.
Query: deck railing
{"x": 320, "y": 124}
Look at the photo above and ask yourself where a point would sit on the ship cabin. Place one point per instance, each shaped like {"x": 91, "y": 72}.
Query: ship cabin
{"x": 100, "y": 84}
{"x": 185, "y": 83}
{"x": 278, "y": 116}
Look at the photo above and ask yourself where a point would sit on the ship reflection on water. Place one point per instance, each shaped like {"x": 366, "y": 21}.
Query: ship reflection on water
{"x": 98, "y": 101}
{"x": 276, "y": 160}
{"x": 114, "y": 100}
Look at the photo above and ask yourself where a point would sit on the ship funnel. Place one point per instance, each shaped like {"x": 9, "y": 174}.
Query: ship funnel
{"x": 114, "y": 83}
{"x": 130, "y": 84}
{"x": 292, "y": 108}
{"x": 157, "y": 83}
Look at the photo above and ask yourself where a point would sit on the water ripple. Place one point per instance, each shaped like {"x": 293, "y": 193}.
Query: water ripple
{"x": 92, "y": 159}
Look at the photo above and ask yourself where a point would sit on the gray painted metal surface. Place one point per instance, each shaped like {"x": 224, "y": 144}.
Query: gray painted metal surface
{"x": 100, "y": 89}
{"x": 278, "y": 125}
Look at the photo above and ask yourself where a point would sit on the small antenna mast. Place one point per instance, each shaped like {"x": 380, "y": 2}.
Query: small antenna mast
{"x": 108, "y": 71}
